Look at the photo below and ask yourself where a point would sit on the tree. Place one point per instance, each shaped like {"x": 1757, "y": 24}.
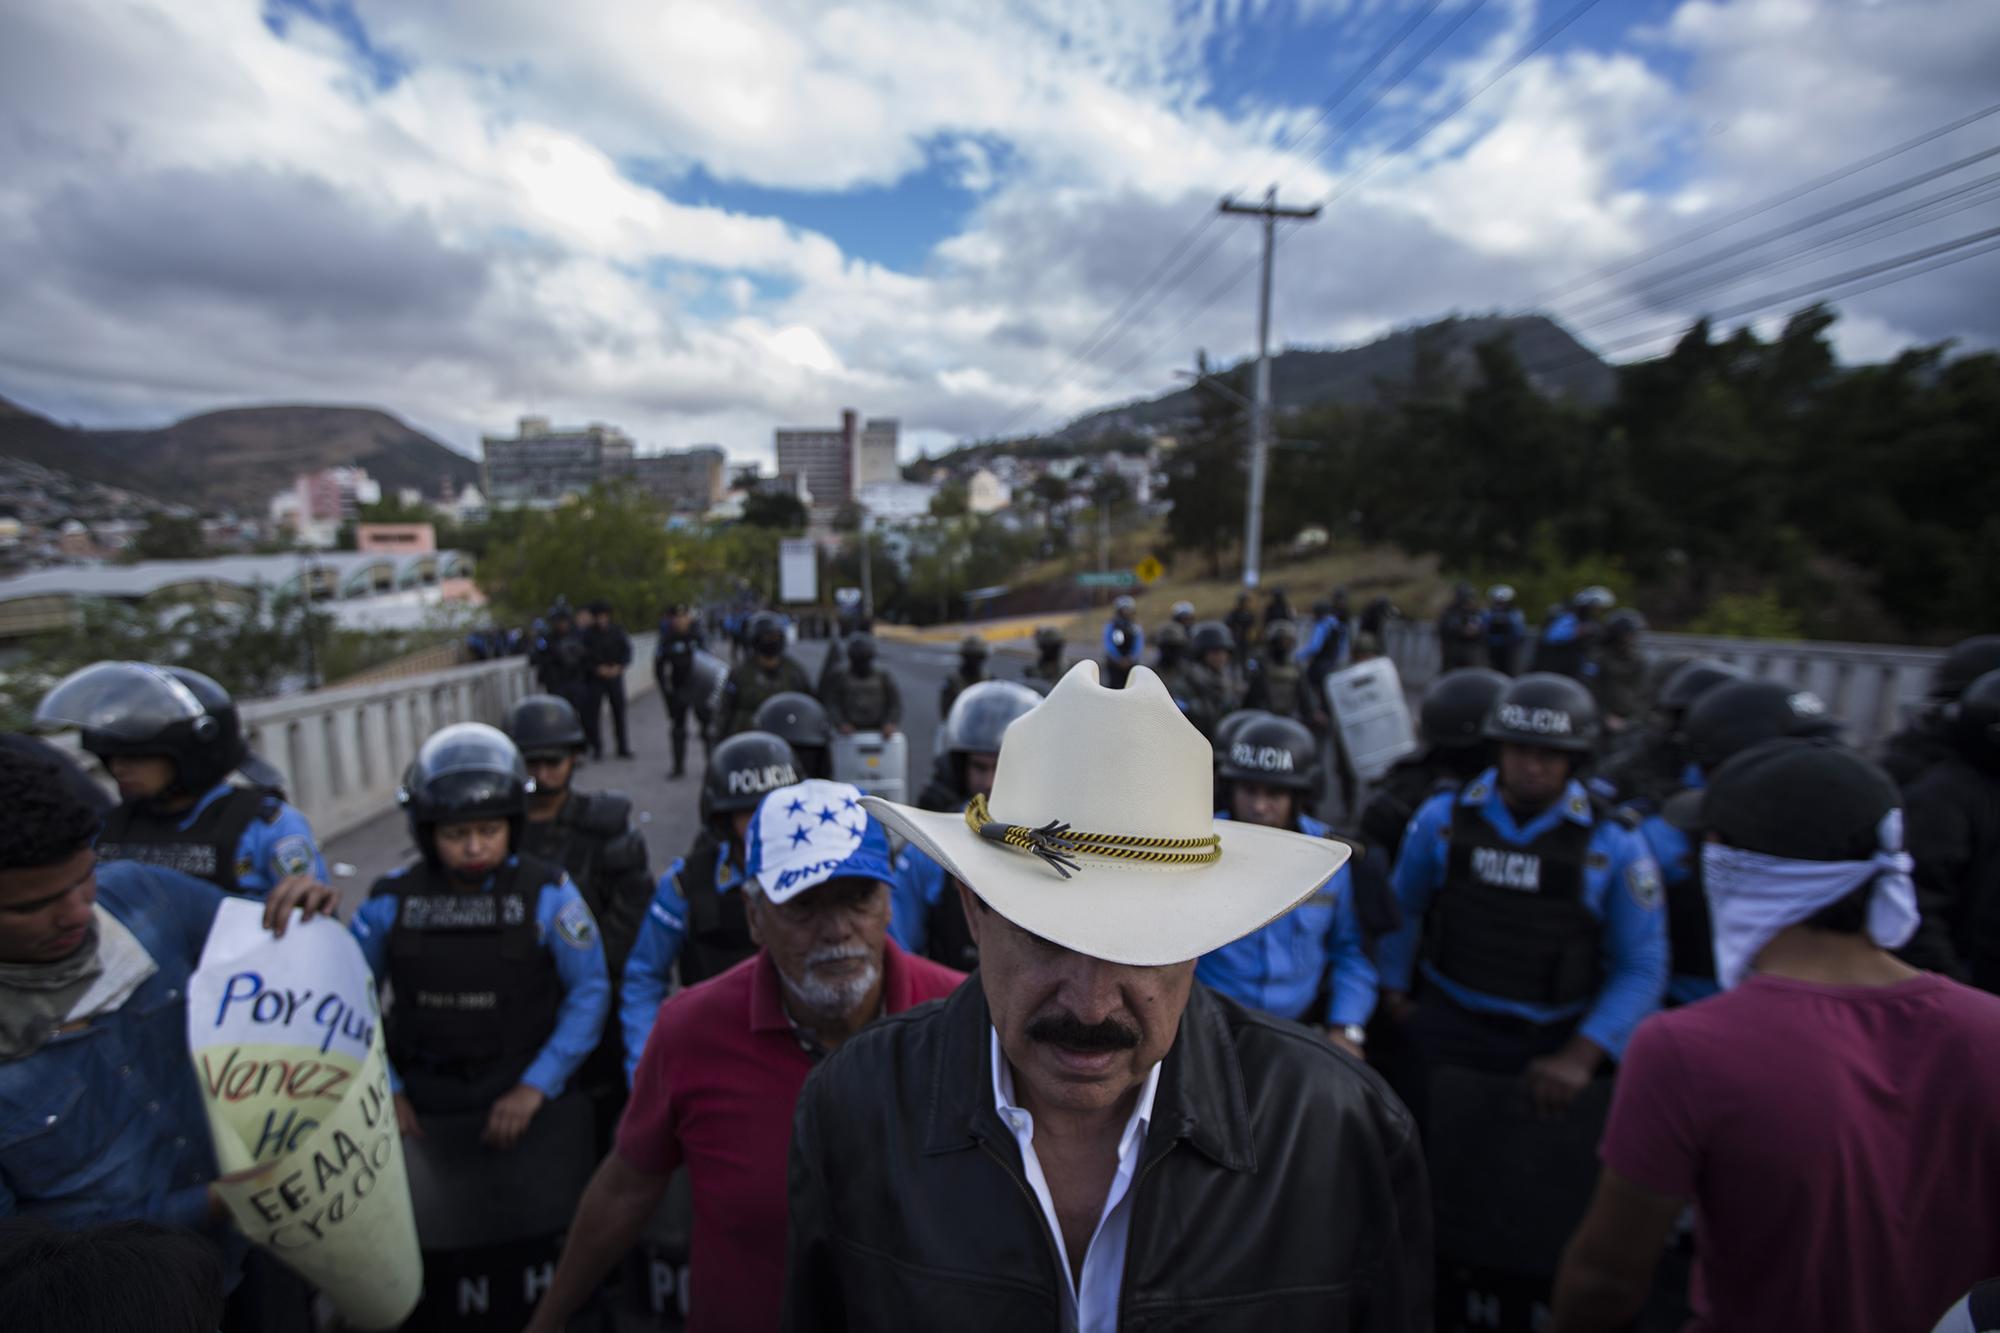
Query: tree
{"x": 780, "y": 511}
{"x": 951, "y": 501}
{"x": 169, "y": 537}
{"x": 611, "y": 544}
{"x": 1051, "y": 495}
{"x": 1206, "y": 484}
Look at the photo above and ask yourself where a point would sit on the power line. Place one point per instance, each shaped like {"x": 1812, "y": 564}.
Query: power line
{"x": 1803, "y": 251}
{"x": 1945, "y": 254}
{"x": 1761, "y": 207}
{"x": 1793, "y": 229}
{"x": 1135, "y": 306}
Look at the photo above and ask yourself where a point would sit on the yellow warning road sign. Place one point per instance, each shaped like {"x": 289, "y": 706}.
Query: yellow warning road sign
{"x": 1149, "y": 569}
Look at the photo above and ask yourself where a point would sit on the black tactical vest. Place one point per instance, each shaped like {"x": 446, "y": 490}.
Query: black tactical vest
{"x": 865, "y": 700}
{"x": 476, "y": 993}
{"x": 1510, "y": 922}
{"x": 1281, "y": 686}
{"x": 947, "y": 939}
{"x": 206, "y": 849}
{"x": 718, "y": 935}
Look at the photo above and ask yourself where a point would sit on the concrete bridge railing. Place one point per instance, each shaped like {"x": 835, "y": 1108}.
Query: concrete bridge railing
{"x": 1869, "y": 687}
{"x": 343, "y": 750}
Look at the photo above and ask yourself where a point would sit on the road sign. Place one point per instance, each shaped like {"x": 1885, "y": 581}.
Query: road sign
{"x": 1107, "y": 578}
{"x": 1149, "y": 570}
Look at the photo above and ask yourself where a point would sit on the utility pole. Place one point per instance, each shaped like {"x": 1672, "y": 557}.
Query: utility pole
{"x": 1260, "y": 411}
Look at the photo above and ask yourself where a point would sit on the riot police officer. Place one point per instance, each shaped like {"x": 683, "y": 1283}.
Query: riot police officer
{"x": 499, "y": 978}
{"x": 1461, "y": 630}
{"x": 865, "y": 697}
{"x": 1325, "y": 647}
{"x": 560, "y": 658}
{"x": 607, "y": 653}
{"x": 697, "y": 923}
{"x": 1539, "y": 911}
{"x": 676, "y": 655}
{"x": 588, "y": 834}
{"x": 1620, "y": 682}
{"x": 1652, "y": 765}
{"x": 770, "y": 670}
{"x": 1048, "y": 666}
{"x": 1452, "y": 722}
{"x": 972, "y": 654}
{"x": 1568, "y": 643}
{"x": 925, "y": 917}
{"x": 1928, "y": 739}
{"x": 170, "y": 738}
{"x": 1506, "y": 627}
{"x": 1274, "y": 680}
{"x": 800, "y": 722}
{"x": 1242, "y": 622}
{"x": 1953, "y": 823}
{"x": 1124, "y": 642}
{"x": 1207, "y": 687}
{"x": 1270, "y": 775}
{"x": 1170, "y": 647}
{"x": 1726, "y": 719}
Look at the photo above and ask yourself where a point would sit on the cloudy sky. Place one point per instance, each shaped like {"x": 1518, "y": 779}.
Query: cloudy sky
{"x": 700, "y": 219}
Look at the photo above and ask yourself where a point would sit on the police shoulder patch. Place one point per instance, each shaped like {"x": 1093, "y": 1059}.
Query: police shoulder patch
{"x": 293, "y": 854}
{"x": 1476, "y": 793}
{"x": 575, "y": 926}
{"x": 1642, "y": 881}
{"x": 244, "y": 866}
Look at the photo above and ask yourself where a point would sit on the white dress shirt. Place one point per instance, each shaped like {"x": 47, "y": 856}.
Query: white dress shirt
{"x": 1092, "y": 1306}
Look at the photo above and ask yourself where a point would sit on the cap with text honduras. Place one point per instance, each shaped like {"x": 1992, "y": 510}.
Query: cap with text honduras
{"x": 804, "y": 835}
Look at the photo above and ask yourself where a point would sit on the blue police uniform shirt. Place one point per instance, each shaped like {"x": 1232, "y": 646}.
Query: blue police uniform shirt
{"x": 1675, "y": 856}
{"x": 270, "y": 851}
{"x": 1621, "y": 886}
{"x": 569, "y": 933}
{"x": 1278, "y": 968}
{"x": 649, "y": 967}
{"x": 1135, "y": 639}
{"x": 919, "y": 883}
{"x": 1505, "y": 627}
{"x": 1327, "y": 626}
{"x": 105, "y": 1123}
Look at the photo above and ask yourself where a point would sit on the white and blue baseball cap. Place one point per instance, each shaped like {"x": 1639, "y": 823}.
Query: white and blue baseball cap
{"x": 807, "y": 834}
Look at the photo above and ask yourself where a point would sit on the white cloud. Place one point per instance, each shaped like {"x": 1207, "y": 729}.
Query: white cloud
{"x": 205, "y": 211}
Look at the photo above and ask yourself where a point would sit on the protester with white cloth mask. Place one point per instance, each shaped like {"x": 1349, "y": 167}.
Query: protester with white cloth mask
{"x": 1830, "y": 1113}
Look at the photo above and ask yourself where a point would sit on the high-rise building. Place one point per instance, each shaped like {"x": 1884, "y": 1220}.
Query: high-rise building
{"x": 825, "y": 457}
{"x": 688, "y": 481}
{"x": 878, "y": 453}
{"x": 540, "y": 466}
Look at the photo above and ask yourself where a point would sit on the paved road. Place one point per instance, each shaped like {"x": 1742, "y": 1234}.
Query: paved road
{"x": 667, "y": 810}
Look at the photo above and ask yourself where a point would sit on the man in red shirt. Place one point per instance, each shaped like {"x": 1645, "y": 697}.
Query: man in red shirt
{"x": 1830, "y": 1115}
{"x": 721, "y": 1072}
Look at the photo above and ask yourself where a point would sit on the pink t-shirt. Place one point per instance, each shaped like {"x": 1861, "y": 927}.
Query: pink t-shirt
{"x": 1841, "y": 1145}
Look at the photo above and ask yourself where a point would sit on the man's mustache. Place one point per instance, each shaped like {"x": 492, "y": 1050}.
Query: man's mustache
{"x": 1072, "y": 1033}
{"x": 838, "y": 953}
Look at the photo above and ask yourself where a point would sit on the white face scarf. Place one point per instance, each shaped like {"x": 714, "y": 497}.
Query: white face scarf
{"x": 1752, "y": 896}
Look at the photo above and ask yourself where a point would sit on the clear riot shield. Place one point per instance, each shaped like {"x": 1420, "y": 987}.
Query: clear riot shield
{"x": 1372, "y": 715}
{"x": 877, "y": 764}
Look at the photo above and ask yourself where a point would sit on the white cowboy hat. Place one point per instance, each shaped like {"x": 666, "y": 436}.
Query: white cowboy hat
{"x": 1101, "y": 834}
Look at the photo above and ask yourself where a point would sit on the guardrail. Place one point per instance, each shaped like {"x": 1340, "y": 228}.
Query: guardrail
{"x": 1869, "y": 687}
{"x": 343, "y": 750}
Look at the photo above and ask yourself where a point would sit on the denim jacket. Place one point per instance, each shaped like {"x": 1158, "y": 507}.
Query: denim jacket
{"x": 106, "y": 1123}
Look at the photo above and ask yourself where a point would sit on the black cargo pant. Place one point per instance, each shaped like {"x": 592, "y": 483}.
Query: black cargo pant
{"x": 601, "y": 691}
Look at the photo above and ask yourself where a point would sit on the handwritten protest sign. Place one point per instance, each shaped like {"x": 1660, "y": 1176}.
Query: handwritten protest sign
{"x": 287, "y": 1045}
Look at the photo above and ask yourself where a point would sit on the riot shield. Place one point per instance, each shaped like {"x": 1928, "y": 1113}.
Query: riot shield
{"x": 490, "y": 1222}
{"x": 1372, "y": 714}
{"x": 877, "y": 764}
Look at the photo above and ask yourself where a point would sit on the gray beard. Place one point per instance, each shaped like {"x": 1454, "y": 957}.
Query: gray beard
{"x": 830, "y": 997}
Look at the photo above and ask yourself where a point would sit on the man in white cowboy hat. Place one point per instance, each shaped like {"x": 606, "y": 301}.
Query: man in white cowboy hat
{"x": 1087, "y": 1139}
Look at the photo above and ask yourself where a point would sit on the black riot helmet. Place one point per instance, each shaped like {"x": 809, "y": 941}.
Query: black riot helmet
{"x": 1276, "y": 751}
{"x": 544, "y": 723}
{"x": 1172, "y": 635}
{"x": 136, "y": 708}
{"x": 1624, "y": 624}
{"x": 1455, "y": 707}
{"x": 972, "y": 649}
{"x": 800, "y": 722}
{"x": 740, "y": 771}
{"x": 1048, "y": 640}
{"x": 1738, "y": 714}
{"x": 1689, "y": 681}
{"x": 860, "y": 649}
{"x": 464, "y": 771}
{"x": 1546, "y": 710}
{"x": 1975, "y": 721}
{"x": 1211, "y": 636}
{"x": 767, "y": 634}
{"x": 1231, "y": 723}
{"x": 1967, "y": 661}
{"x": 1281, "y": 631}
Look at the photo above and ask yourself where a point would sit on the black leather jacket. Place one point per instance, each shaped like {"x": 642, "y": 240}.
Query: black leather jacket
{"x": 1280, "y": 1187}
